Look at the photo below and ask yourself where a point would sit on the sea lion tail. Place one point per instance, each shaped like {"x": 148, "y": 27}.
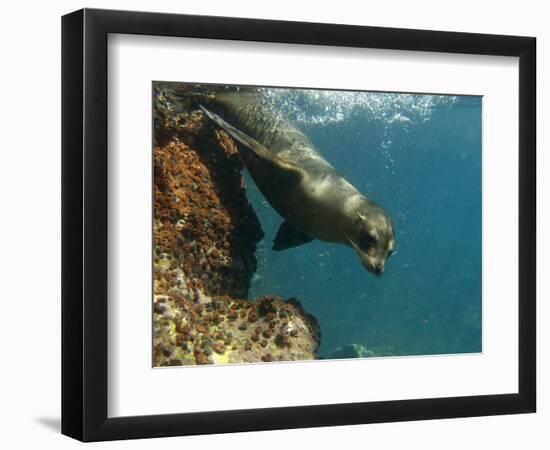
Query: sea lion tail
{"x": 258, "y": 155}
{"x": 238, "y": 135}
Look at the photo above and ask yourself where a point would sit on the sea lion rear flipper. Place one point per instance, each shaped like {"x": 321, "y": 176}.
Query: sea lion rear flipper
{"x": 289, "y": 237}
{"x": 258, "y": 149}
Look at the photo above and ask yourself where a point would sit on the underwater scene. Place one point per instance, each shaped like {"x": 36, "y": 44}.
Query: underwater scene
{"x": 299, "y": 224}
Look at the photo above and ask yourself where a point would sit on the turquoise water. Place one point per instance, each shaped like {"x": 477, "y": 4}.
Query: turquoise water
{"x": 419, "y": 157}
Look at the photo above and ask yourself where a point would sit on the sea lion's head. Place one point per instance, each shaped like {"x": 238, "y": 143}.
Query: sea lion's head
{"x": 372, "y": 237}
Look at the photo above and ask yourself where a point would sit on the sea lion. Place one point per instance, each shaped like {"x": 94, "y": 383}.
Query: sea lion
{"x": 315, "y": 201}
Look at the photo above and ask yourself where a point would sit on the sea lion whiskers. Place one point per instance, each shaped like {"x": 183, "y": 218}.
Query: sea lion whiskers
{"x": 373, "y": 264}
{"x": 362, "y": 255}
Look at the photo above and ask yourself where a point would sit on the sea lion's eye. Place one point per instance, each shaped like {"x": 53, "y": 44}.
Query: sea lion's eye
{"x": 367, "y": 239}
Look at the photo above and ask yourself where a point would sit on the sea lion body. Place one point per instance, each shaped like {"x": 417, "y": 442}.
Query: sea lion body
{"x": 300, "y": 184}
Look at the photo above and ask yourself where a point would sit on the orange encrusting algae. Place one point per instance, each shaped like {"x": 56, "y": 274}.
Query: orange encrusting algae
{"x": 204, "y": 237}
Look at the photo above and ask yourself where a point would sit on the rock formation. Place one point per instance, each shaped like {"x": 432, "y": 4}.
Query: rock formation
{"x": 205, "y": 234}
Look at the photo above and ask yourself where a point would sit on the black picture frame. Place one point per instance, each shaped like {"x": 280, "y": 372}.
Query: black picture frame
{"x": 84, "y": 224}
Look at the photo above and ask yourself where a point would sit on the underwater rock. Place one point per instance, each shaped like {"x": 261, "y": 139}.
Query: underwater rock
{"x": 205, "y": 234}
{"x": 185, "y": 334}
{"x": 351, "y": 351}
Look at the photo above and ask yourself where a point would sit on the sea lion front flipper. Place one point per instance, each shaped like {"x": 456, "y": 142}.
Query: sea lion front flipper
{"x": 289, "y": 237}
{"x": 292, "y": 173}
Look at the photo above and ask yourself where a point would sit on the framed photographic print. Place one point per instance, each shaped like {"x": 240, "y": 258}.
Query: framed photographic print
{"x": 276, "y": 224}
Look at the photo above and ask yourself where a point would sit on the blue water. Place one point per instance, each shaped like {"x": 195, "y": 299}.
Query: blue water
{"x": 419, "y": 157}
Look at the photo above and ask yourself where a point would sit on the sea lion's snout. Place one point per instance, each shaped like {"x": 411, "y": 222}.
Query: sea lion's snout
{"x": 373, "y": 239}
{"x": 373, "y": 256}
{"x": 372, "y": 265}
{"x": 378, "y": 269}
